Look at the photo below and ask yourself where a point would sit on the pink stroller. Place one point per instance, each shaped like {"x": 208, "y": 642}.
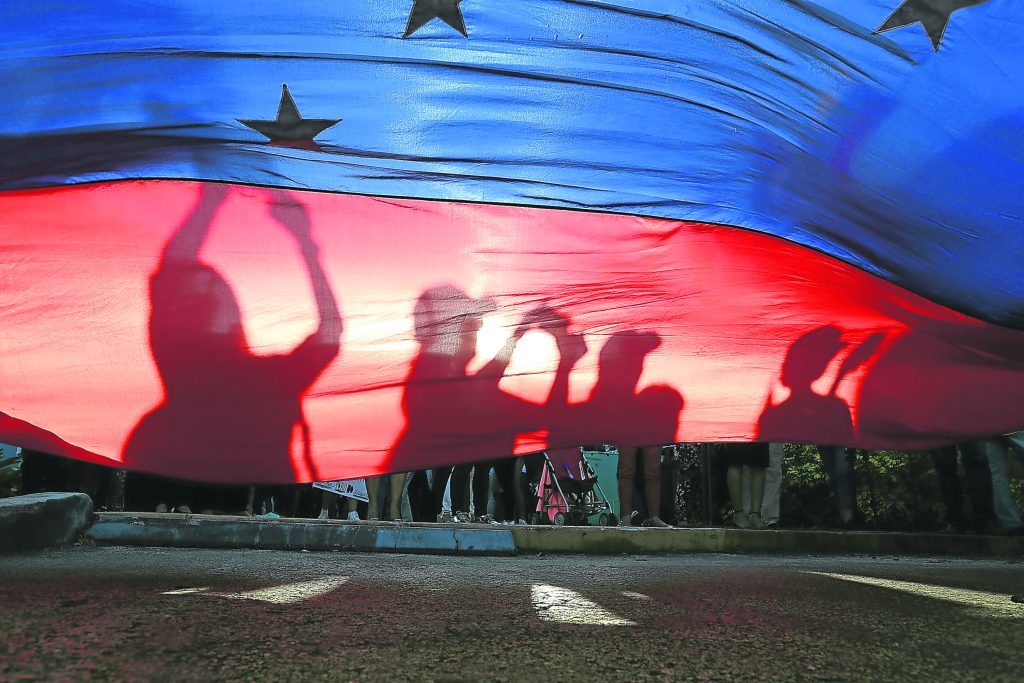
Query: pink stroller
{"x": 570, "y": 499}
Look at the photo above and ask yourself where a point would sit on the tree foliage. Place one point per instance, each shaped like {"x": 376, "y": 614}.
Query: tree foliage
{"x": 896, "y": 490}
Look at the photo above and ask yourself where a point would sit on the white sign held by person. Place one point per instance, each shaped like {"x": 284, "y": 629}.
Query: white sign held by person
{"x": 350, "y": 488}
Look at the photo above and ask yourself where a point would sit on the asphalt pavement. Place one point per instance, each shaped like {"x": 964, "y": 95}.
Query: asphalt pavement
{"x": 119, "y": 613}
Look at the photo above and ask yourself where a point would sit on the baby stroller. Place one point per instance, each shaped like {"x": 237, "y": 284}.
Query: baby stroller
{"x": 568, "y": 499}
{"x": 10, "y": 471}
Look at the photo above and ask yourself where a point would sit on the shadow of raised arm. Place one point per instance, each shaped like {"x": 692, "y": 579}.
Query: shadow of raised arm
{"x": 185, "y": 244}
{"x": 291, "y": 213}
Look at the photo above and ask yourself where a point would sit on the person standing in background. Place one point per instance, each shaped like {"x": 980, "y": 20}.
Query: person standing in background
{"x": 755, "y": 457}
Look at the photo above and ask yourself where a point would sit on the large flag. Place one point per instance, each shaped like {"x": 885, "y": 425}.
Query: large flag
{"x": 265, "y": 241}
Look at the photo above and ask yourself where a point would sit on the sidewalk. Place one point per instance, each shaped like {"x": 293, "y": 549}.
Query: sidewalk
{"x": 43, "y": 520}
{"x": 208, "y": 531}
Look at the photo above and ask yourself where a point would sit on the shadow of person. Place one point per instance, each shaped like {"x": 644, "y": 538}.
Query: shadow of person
{"x": 638, "y": 423}
{"x": 805, "y": 411}
{"x": 454, "y": 416}
{"x": 227, "y": 415}
{"x": 615, "y": 412}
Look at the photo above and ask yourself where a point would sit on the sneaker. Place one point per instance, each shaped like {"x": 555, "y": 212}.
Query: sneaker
{"x": 755, "y": 521}
{"x": 485, "y": 519}
{"x": 324, "y": 515}
{"x": 740, "y": 519}
{"x": 624, "y": 522}
{"x": 183, "y": 509}
{"x": 520, "y": 522}
{"x": 656, "y": 523}
{"x": 445, "y": 517}
{"x": 353, "y": 516}
{"x": 463, "y": 517}
{"x": 161, "y": 508}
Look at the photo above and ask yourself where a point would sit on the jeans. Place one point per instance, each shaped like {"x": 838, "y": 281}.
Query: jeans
{"x": 1006, "y": 510}
{"x": 772, "y": 486}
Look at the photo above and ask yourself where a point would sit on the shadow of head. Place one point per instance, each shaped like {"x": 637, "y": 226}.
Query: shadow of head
{"x": 809, "y": 355}
{"x": 621, "y": 360}
{"x": 446, "y": 321}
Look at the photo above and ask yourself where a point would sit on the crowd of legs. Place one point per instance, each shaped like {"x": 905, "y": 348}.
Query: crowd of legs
{"x": 505, "y": 490}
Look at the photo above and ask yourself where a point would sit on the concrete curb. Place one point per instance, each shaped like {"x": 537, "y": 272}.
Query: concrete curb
{"x": 606, "y": 541}
{"x": 208, "y": 531}
{"x": 214, "y": 531}
{"x": 42, "y": 520}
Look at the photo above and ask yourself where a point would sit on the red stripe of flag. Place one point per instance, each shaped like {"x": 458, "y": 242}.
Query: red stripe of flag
{"x": 756, "y": 338}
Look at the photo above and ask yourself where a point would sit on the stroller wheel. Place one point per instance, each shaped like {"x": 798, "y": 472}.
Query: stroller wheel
{"x": 559, "y": 519}
{"x": 604, "y": 519}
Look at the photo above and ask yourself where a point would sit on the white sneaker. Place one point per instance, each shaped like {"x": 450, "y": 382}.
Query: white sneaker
{"x": 353, "y": 516}
{"x": 520, "y": 522}
{"x": 324, "y": 515}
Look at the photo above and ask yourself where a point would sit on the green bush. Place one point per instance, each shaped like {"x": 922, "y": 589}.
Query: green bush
{"x": 896, "y": 490}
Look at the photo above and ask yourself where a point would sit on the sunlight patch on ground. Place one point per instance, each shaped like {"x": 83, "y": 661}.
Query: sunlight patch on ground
{"x": 186, "y": 591}
{"x": 636, "y": 596}
{"x": 284, "y": 594}
{"x": 569, "y": 607}
{"x": 994, "y": 604}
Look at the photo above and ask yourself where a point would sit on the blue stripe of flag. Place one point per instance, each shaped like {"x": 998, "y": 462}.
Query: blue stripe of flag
{"x": 790, "y": 118}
